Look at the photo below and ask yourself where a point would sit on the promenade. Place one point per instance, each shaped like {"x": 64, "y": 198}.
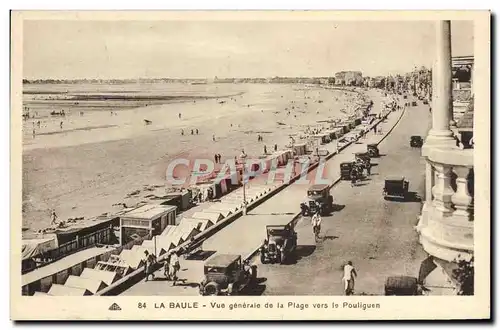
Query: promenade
{"x": 244, "y": 235}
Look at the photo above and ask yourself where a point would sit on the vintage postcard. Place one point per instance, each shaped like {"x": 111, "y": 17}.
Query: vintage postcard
{"x": 250, "y": 165}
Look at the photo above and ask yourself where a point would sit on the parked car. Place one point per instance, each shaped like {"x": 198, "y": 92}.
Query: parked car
{"x": 402, "y": 286}
{"x": 227, "y": 274}
{"x": 416, "y": 141}
{"x": 372, "y": 150}
{"x": 318, "y": 199}
{"x": 280, "y": 244}
{"x": 395, "y": 187}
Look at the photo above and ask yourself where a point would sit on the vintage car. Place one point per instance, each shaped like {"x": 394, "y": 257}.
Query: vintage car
{"x": 372, "y": 150}
{"x": 395, "y": 187}
{"x": 402, "y": 286}
{"x": 318, "y": 199}
{"x": 227, "y": 274}
{"x": 345, "y": 170}
{"x": 279, "y": 245}
{"x": 363, "y": 157}
{"x": 416, "y": 141}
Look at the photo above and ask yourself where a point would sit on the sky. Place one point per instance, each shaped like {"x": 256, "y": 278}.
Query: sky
{"x": 204, "y": 49}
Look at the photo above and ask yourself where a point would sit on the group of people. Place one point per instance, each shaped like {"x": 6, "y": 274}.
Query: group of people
{"x": 193, "y": 131}
{"x": 217, "y": 158}
{"x": 171, "y": 266}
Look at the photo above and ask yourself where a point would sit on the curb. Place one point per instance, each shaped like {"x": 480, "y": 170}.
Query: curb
{"x": 253, "y": 253}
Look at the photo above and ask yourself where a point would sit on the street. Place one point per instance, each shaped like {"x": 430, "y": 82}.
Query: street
{"x": 376, "y": 235}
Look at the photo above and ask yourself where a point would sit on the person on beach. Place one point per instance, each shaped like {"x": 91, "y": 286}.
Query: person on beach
{"x": 192, "y": 132}
{"x": 216, "y": 158}
{"x": 265, "y": 150}
{"x": 182, "y": 132}
{"x": 348, "y": 279}
{"x": 213, "y": 137}
{"x": 149, "y": 261}
{"x": 180, "y": 115}
{"x": 53, "y": 217}
{"x": 61, "y": 125}
{"x": 219, "y": 157}
{"x": 275, "y": 147}
{"x": 196, "y": 131}
{"x": 34, "y": 133}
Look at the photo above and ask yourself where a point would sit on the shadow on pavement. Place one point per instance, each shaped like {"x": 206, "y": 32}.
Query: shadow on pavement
{"x": 337, "y": 207}
{"x": 329, "y": 237}
{"x": 410, "y": 197}
{"x": 304, "y": 251}
{"x": 256, "y": 290}
{"x": 200, "y": 255}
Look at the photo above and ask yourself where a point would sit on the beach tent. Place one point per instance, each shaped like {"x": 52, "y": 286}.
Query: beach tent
{"x": 187, "y": 229}
{"x": 62, "y": 290}
{"x": 168, "y": 229}
{"x": 34, "y": 247}
{"x": 150, "y": 246}
{"x": 85, "y": 283}
{"x": 214, "y": 217}
{"x": 107, "y": 277}
{"x": 200, "y": 224}
{"x": 225, "y": 212}
{"x": 132, "y": 259}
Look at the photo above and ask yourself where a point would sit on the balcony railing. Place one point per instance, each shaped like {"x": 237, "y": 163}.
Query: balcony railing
{"x": 447, "y": 231}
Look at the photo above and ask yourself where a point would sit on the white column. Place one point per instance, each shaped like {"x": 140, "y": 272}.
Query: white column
{"x": 442, "y": 192}
{"x": 462, "y": 198}
{"x": 442, "y": 107}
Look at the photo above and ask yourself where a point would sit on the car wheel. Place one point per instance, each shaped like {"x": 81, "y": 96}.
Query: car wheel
{"x": 212, "y": 289}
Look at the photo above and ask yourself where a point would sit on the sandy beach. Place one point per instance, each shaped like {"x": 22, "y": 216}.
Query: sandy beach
{"x": 104, "y": 150}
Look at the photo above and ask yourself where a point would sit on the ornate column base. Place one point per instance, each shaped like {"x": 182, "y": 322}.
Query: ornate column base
{"x": 450, "y": 242}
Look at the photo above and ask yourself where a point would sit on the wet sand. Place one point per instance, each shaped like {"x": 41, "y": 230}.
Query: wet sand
{"x": 96, "y": 159}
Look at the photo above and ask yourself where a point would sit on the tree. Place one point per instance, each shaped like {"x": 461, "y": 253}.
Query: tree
{"x": 464, "y": 274}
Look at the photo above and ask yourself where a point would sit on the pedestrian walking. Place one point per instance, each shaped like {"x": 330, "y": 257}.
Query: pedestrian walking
{"x": 149, "y": 261}
{"x": 219, "y": 158}
{"x": 196, "y": 131}
{"x": 348, "y": 279}
{"x": 275, "y": 147}
{"x": 316, "y": 224}
{"x": 265, "y": 150}
{"x": 166, "y": 267}
{"x": 216, "y": 159}
{"x": 53, "y": 217}
{"x": 192, "y": 132}
{"x": 175, "y": 266}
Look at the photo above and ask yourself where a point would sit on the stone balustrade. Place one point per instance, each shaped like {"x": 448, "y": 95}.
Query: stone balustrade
{"x": 447, "y": 223}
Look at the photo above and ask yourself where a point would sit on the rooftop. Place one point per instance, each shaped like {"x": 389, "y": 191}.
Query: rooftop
{"x": 62, "y": 264}
{"x": 149, "y": 211}
{"x": 222, "y": 260}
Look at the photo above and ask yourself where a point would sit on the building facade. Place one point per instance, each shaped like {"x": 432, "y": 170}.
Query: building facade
{"x": 446, "y": 225}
